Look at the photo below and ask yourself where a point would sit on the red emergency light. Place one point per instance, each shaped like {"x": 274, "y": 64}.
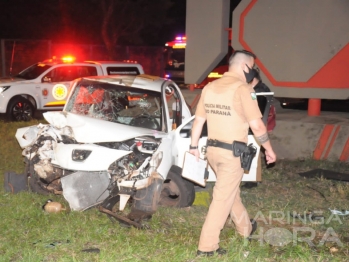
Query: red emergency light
{"x": 179, "y": 42}
{"x": 68, "y": 59}
{"x": 181, "y": 38}
{"x": 64, "y": 59}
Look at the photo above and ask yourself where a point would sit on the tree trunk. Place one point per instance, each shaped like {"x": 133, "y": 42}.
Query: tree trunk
{"x": 109, "y": 39}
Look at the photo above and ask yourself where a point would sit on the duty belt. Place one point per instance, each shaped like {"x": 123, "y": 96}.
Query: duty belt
{"x": 216, "y": 143}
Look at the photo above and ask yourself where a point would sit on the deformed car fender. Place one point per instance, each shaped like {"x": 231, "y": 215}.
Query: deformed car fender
{"x": 26, "y": 135}
{"x": 165, "y": 159}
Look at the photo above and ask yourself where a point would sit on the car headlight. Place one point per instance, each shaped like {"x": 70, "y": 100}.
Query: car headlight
{"x": 80, "y": 155}
{"x": 4, "y": 88}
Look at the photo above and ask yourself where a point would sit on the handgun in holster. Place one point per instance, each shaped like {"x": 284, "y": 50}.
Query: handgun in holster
{"x": 246, "y": 153}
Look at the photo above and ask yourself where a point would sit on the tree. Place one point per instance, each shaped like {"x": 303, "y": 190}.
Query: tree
{"x": 125, "y": 21}
{"x": 112, "y": 22}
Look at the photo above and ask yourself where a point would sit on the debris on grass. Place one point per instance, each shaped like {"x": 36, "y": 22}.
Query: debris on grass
{"x": 340, "y": 213}
{"x": 52, "y": 244}
{"x": 53, "y": 207}
{"x": 328, "y": 174}
{"x": 333, "y": 249}
{"x": 14, "y": 182}
{"x": 321, "y": 194}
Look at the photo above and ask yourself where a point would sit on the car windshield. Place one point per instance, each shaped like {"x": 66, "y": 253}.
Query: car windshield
{"x": 116, "y": 103}
{"x": 33, "y": 71}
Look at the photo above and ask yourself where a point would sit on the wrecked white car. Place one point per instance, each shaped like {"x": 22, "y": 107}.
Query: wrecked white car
{"x": 117, "y": 139}
{"x": 114, "y": 140}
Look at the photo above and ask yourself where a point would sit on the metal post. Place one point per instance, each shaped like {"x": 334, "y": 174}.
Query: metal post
{"x": 314, "y": 107}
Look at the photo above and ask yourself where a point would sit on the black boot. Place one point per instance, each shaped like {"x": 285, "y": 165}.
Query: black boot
{"x": 254, "y": 228}
{"x": 219, "y": 251}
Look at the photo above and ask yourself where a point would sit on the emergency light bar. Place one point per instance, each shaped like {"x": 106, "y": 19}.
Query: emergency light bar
{"x": 68, "y": 59}
{"x": 64, "y": 59}
{"x": 178, "y": 43}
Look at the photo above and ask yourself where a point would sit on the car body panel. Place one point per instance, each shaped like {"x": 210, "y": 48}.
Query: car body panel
{"x": 183, "y": 140}
{"x": 99, "y": 159}
{"x": 90, "y": 130}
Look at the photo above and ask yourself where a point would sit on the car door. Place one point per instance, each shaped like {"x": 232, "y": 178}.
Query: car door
{"x": 174, "y": 112}
{"x": 55, "y": 85}
{"x": 183, "y": 140}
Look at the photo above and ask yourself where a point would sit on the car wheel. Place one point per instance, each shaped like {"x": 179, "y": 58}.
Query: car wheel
{"x": 20, "y": 109}
{"x": 177, "y": 191}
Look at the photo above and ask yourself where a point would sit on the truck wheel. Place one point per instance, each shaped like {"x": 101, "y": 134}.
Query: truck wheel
{"x": 177, "y": 191}
{"x": 20, "y": 109}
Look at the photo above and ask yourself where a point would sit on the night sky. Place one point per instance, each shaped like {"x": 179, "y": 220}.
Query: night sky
{"x": 80, "y": 21}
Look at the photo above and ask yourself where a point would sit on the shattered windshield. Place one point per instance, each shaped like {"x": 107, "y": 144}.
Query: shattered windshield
{"x": 33, "y": 71}
{"x": 115, "y": 103}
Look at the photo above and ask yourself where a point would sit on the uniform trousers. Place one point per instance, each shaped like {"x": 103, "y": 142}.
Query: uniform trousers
{"x": 226, "y": 199}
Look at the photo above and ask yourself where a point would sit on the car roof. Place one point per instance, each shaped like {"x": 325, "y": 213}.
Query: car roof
{"x": 149, "y": 82}
{"x": 114, "y": 63}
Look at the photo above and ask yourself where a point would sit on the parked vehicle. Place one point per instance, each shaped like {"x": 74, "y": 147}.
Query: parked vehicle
{"x": 118, "y": 138}
{"x": 45, "y": 85}
{"x": 174, "y": 56}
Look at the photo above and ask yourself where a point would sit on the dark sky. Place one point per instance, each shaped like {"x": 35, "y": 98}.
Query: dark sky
{"x": 178, "y": 11}
{"x": 44, "y": 19}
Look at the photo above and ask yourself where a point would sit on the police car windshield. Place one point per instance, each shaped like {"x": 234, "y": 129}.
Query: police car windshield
{"x": 33, "y": 71}
{"x": 116, "y": 103}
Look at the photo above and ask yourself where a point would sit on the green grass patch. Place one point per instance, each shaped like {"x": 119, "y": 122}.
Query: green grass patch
{"x": 27, "y": 233}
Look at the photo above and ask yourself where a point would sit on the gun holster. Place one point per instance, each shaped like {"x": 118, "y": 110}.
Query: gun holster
{"x": 238, "y": 148}
{"x": 246, "y": 153}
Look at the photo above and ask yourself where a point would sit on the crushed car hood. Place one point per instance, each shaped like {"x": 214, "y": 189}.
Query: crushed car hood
{"x": 91, "y": 130}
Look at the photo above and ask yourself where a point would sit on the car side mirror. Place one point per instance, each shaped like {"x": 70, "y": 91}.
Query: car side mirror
{"x": 46, "y": 79}
{"x": 185, "y": 133}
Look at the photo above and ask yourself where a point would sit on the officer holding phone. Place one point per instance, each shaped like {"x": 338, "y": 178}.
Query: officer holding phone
{"x": 229, "y": 105}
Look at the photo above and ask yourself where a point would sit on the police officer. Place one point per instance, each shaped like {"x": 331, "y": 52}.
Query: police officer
{"x": 259, "y": 87}
{"x": 229, "y": 105}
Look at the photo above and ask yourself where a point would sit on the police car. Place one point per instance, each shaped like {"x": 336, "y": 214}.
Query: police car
{"x": 45, "y": 85}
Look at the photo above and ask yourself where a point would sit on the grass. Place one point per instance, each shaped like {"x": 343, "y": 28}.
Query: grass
{"x": 27, "y": 233}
